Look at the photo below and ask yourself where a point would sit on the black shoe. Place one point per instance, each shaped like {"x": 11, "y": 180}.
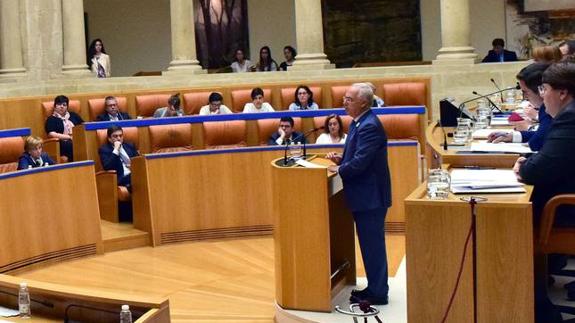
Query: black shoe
{"x": 373, "y": 300}
{"x": 360, "y": 293}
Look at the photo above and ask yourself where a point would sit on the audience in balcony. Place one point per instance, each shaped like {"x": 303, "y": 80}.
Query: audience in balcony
{"x": 215, "y": 105}
{"x": 303, "y": 99}
{"x": 333, "y": 131}
{"x": 33, "y": 155}
{"x": 241, "y": 63}
{"x": 266, "y": 62}
{"x": 499, "y": 53}
{"x": 286, "y": 134}
{"x": 289, "y": 54}
{"x": 172, "y": 110}
{"x": 113, "y": 112}
{"x": 60, "y": 124}
{"x": 98, "y": 60}
{"x": 258, "y": 105}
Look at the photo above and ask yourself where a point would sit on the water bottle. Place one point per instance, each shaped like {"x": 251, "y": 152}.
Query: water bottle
{"x": 125, "y": 314}
{"x": 24, "y": 301}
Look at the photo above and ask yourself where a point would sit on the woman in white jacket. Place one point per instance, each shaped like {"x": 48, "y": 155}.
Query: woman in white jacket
{"x": 98, "y": 60}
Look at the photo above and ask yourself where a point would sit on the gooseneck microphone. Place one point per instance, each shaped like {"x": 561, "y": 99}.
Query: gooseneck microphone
{"x": 295, "y": 139}
{"x": 497, "y": 87}
{"x": 490, "y": 101}
{"x": 462, "y": 105}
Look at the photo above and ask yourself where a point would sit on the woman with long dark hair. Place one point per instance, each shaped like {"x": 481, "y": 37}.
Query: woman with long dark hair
{"x": 266, "y": 62}
{"x": 303, "y": 99}
{"x": 289, "y": 54}
{"x": 98, "y": 60}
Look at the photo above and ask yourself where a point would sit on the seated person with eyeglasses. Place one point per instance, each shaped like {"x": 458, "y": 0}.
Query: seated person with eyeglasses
{"x": 286, "y": 134}
{"x": 113, "y": 112}
{"x": 33, "y": 155}
{"x": 215, "y": 106}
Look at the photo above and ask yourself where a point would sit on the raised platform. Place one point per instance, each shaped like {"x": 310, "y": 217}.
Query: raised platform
{"x": 122, "y": 236}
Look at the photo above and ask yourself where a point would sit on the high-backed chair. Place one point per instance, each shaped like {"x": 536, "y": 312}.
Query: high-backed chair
{"x": 52, "y": 145}
{"x": 97, "y": 106}
{"x": 288, "y": 95}
{"x": 173, "y": 137}
{"x": 241, "y": 97}
{"x": 337, "y": 94}
{"x": 109, "y": 192}
{"x": 400, "y": 126}
{"x": 146, "y": 105}
{"x": 224, "y": 134}
{"x": 194, "y": 101}
{"x": 410, "y": 93}
{"x": 266, "y": 127}
{"x": 10, "y": 150}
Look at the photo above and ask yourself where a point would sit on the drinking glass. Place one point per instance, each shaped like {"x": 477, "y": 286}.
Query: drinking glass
{"x": 438, "y": 183}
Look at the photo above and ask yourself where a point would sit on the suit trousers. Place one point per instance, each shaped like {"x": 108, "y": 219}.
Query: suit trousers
{"x": 370, "y": 226}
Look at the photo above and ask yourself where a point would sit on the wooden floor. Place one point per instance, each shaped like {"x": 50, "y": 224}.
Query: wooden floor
{"x": 215, "y": 281}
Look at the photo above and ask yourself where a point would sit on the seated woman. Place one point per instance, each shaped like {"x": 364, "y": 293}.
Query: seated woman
{"x": 172, "y": 110}
{"x": 214, "y": 106}
{"x": 303, "y": 99}
{"x": 333, "y": 131}
{"x": 266, "y": 62}
{"x": 258, "y": 104}
{"x": 60, "y": 124}
{"x": 547, "y": 54}
{"x": 289, "y": 54}
{"x": 33, "y": 155}
{"x": 241, "y": 64}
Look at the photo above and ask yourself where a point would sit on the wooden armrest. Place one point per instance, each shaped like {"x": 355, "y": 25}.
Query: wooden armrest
{"x": 52, "y": 148}
{"x": 548, "y": 216}
{"x": 107, "y": 187}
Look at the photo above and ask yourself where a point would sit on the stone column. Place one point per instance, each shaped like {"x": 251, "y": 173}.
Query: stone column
{"x": 74, "y": 38}
{"x": 184, "y": 57}
{"x": 309, "y": 35}
{"x": 11, "y": 62}
{"x": 455, "y": 33}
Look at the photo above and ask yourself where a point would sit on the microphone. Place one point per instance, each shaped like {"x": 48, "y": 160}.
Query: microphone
{"x": 489, "y": 100}
{"x": 295, "y": 139}
{"x": 462, "y": 105}
{"x": 497, "y": 87}
{"x": 444, "y": 136}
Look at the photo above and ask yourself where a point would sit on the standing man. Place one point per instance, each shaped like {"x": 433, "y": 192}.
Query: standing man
{"x": 367, "y": 188}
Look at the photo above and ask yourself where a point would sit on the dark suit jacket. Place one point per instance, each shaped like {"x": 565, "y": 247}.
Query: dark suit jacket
{"x": 25, "y": 161}
{"x": 552, "y": 170}
{"x": 492, "y": 57}
{"x": 363, "y": 169}
{"x": 111, "y": 161}
{"x": 106, "y": 116}
{"x": 296, "y": 136}
{"x": 535, "y": 139}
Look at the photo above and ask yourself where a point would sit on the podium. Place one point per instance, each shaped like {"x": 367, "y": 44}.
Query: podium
{"x": 313, "y": 236}
{"x": 496, "y": 283}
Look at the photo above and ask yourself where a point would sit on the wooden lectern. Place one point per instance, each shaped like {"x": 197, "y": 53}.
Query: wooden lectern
{"x": 313, "y": 236}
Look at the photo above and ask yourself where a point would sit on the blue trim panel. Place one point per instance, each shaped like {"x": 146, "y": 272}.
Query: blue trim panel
{"x": 259, "y": 148}
{"x": 245, "y": 116}
{"x": 25, "y": 172}
{"x": 18, "y": 132}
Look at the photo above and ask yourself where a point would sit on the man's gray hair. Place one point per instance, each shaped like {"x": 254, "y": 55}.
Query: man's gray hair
{"x": 365, "y": 92}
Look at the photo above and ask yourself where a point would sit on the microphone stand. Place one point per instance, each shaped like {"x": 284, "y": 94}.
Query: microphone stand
{"x": 498, "y": 88}
{"x": 304, "y": 136}
{"x": 490, "y": 102}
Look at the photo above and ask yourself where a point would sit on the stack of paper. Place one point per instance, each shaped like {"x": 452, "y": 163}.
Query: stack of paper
{"x": 500, "y": 121}
{"x": 470, "y": 181}
{"x": 501, "y": 147}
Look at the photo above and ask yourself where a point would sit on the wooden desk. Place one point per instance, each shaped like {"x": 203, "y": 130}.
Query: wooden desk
{"x": 48, "y": 214}
{"x": 438, "y": 156}
{"x": 436, "y": 232}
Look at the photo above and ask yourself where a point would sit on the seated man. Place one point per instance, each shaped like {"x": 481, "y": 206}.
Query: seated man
{"x": 113, "y": 112}
{"x": 499, "y": 54}
{"x": 286, "y": 134}
{"x": 257, "y": 104}
{"x": 172, "y": 110}
{"x": 116, "y": 155}
{"x": 214, "y": 106}
{"x": 33, "y": 155}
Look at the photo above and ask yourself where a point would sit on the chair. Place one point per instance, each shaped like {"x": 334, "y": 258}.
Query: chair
{"x": 194, "y": 101}
{"x": 52, "y": 145}
{"x": 266, "y": 127}
{"x": 400, "y": 126}
{"x": 410, "y": 93}
{"x": 97, "y": 106}
{"x": 337, "y": 94}
{"x": 224, "y": 134}
{"x": 241, "y": 97}
{"x": 170, "y": 138}
{"x": 10, "y": 150}
{"x": 288, "y": 95}
{"x": 146, "y": 105}
{"x": 109, "y": 192}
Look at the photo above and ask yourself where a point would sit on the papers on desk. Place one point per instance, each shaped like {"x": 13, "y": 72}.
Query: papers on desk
{"x": 501, "y": 147}
{"x": 483, "y": 133}
{"x": 8, "y": 312}
{"x": 308, "y": 164}
{"x": 500, "y": 121}
{"x": 472, "y": 181}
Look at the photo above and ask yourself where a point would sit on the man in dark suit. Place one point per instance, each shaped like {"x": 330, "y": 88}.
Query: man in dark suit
{"x": 116, "y": 155}
{"x": 286, "y": 134}
{"x": 367, "y": 188}
{"x": 113, "y": 112}
{"x": 498, "y": 54}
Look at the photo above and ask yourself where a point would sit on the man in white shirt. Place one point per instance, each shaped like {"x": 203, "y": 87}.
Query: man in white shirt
{"x": 258, "y": 105}
{"x": 215, "y": 105}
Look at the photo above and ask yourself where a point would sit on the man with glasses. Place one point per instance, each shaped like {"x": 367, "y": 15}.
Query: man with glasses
{"x": 286, "y": 134}
{"x": 215, "y": 106}
{"x": 113, "y": 112}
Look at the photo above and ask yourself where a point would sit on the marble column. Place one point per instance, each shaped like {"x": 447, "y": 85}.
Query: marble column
{"x": 74, "y": 38}
{"x": 184, "y": 57}
{"x": 11, "y": 61}
{"x": 455, "y": 33}
{"x": 309, "y": 36}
